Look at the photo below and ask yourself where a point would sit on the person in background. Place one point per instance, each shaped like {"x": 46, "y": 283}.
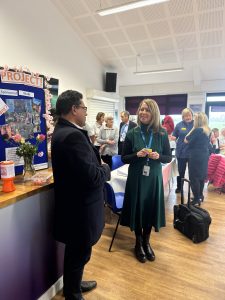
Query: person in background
{"x": 90, "y": 132}
{"x": 145, "y": 148}
{"x": 97, "y": 126}
{"x": 222, "y": 141}
{"x": 108, "y": 139}
{"x": 168, "y": 124}
{"x": 125, "y": 125}
{"x": 214, "y": 140}
{"x": 198, "y": 143}
{"x": 182, "y": 151}
{"x": 79, "y": 179}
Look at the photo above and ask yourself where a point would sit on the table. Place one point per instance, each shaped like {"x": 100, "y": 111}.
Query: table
{"x": 119, "y": 176}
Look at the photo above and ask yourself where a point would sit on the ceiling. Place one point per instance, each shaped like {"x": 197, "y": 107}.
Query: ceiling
{"x": 178, "y": 33}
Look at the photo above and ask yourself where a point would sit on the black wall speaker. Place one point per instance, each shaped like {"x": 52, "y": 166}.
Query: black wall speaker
{"x": 110, "y": 82}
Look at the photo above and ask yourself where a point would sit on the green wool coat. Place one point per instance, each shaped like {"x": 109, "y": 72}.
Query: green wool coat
{"x": 144, "y": 196}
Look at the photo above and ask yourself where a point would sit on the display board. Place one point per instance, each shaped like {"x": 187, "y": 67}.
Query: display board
{"x": 24, "y": 95}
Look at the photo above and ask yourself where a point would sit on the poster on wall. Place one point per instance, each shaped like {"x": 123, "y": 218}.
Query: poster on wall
{"x": 23, "y": 112}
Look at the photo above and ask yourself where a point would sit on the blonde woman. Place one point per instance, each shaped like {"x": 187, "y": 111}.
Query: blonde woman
{"x": 198, "y": 143}
{"x": 145, "y": 148}
{"x": 182, "y": 152}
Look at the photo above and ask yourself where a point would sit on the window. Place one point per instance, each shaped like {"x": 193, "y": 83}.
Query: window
{"x": 215, "y": 110}
{"x": 168, "y": 104}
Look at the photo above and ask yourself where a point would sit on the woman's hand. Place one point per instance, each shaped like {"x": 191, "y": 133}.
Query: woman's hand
{"x": 185, "y": 141}
{"x": 172, "y": 138}
{"x": 153, "y": 155}
{"x": 142, "y": 153}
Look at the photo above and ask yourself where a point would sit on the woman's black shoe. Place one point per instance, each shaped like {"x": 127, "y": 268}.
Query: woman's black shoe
{"x": 138, "y": 250}
{"x": 149, "y": 252}
{"x": 140, "y": 254}
{"x": 177, "y": 191}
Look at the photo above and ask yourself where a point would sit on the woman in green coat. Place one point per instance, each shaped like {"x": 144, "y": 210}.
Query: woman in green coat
{"x": 145, "y": 148}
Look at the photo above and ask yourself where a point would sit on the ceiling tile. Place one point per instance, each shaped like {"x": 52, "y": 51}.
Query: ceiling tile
{"x": 148, "y": 60}
{"x": 136, "y": 33}
{"x": 166, "y": 58}
{"x": 143, "y": 48}
{"x": 186, "y": 41}
{"x": 86, "y": 25}
{"x": 109, "y": 22}
{"x": 183, "y": 25}
{"x": 74, "y": 8}
{"x": 211, "y": 20}
{"x": 159, "y": 29}
{"x": 124, "y": 50}
{"x": 165, "y": 45}
{"x": 210, "y": 4}
{"x": 180, "y": 7}
{"x": 97, "y": 40}
{"x": 129, "y": 61}
{"x": 129, "y": 18}
{"x": 106, "y": 53}
{"x": 116, "y": 37}
{"x": 211, "y": 38}
{"x": 153, "y": 13}
{"x": 189, "y": 55}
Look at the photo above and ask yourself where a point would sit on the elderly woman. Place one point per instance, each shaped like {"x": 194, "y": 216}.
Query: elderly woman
{"x": 182, "y": 151}
{"x": 108, "y": 139}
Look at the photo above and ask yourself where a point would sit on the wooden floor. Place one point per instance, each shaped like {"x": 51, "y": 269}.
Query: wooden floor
{"x": 182, "y": 270}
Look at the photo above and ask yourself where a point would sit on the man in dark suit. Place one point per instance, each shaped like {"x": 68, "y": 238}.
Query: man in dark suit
{"x": 125, "y": 125}
{"x": 79, "y": 179}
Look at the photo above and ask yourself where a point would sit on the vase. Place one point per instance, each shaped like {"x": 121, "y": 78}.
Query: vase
{"x": 28, "y": 168}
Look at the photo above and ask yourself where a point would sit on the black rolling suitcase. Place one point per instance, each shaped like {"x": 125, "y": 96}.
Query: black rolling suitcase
{"x": 190, "y": 220}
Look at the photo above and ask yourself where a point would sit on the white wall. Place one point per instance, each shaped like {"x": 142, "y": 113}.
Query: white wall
{"x": 33, "y": 34}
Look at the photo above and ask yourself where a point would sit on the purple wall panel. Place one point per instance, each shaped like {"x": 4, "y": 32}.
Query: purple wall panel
{"x": 30, "y": 260}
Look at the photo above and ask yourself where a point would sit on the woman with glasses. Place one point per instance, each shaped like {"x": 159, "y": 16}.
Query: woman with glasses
{"x": 145, "y": 148}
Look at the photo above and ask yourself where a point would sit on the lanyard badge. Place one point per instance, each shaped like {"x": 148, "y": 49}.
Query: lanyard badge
{"x": 146, "y": 168}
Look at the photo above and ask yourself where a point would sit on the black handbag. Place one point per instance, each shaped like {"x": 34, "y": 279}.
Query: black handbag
{"x": 190, "y": 220}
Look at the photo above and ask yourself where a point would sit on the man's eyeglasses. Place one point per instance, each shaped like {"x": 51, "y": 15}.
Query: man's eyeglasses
{"x": 84, "y": 107}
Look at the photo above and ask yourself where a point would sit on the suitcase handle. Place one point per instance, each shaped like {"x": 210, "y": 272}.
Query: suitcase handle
{"x": 182, "y": 191}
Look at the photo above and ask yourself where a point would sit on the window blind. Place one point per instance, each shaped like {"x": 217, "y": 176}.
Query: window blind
{"x": 95, "y": 106}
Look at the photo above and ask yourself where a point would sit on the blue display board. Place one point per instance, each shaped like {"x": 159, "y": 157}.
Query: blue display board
{"x": 25, "y": 96}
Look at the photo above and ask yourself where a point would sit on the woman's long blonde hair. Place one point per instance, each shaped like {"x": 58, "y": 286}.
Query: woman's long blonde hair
{"x": 201, "y": 121}
{"x": 155, "y": 114}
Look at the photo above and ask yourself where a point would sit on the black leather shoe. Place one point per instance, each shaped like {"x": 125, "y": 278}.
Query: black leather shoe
{"x": 177, "y": 191}
{"x": 140, "y": 254}
{"x": 87, "y": 286}
{"x": 149, "y": 252}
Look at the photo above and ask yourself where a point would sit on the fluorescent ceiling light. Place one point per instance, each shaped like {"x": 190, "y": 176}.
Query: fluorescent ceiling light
{"x": 158, "y": 71}
{"x": 127, "y": 6}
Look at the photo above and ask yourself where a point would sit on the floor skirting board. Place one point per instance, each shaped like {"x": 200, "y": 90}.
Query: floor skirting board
{"x": 53, "y": 290}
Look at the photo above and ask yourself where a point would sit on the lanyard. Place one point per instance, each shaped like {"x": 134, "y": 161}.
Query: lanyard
{"x": 144, "y": 140}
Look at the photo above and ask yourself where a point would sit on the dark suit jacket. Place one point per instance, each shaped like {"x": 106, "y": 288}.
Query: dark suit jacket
{"x": 78, "y": 182}
{"x": 120, "y": 144}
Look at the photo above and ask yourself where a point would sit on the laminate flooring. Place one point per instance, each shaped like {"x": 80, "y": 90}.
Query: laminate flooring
{"x": 182, "y": 269}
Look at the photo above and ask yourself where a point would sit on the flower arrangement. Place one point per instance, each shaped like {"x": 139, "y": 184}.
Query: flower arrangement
{"x": 25, "y": 148}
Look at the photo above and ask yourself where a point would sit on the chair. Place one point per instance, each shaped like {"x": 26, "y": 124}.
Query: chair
{"x": 116, "y": 162}
{"x": 115, "y": 202}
